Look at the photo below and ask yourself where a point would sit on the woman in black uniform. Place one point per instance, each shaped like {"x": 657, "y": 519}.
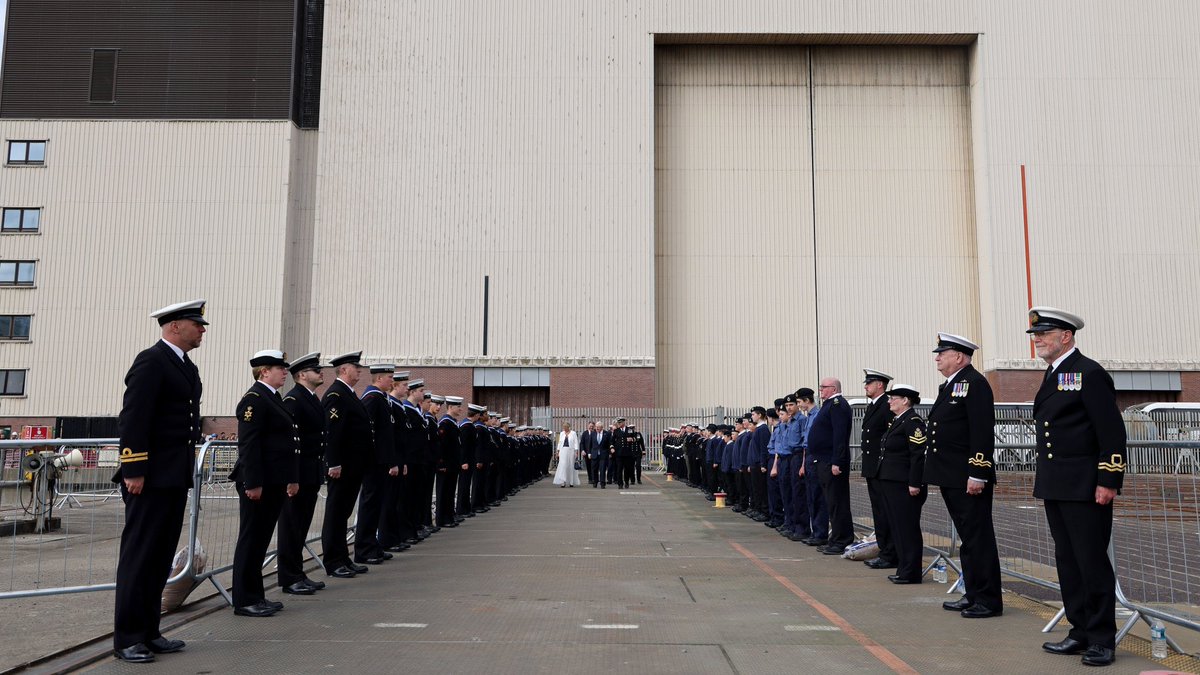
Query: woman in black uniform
{"x": 901, "y": 480}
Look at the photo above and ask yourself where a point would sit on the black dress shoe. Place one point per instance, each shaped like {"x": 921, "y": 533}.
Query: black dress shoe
{"x": 449, "y": 524}
{"x": 1067, "y": 645}
{"x": 368, "y": 561}
{"x": 958, "y": 605}
{"x": 471, "y": 514}
{"x": 271, "y": 603}
{"x": 255, "y": 610}
{"x": 1098, "y": 656}
{"x": 342, "y": 572}
{"x": 881, "y": 564}
{"x": 386, "y": 556}
{"x": 162, "y": 645}
{"x": 398, "y": 548}
{"x": 897, "y": 579}
{"x": 832, "y": 550}
{"x": 978, "y": 611}
{"x": 134, "y": 654}
{"x": 482, "y": 509}
{"x": 358, "y": 569}
{"x": 299, "y": 588}
{"x": 795, "y": 537}
{"x": 819, "y": 543}
{"x": 315, "y": 585}
{"x": 459, "y": 519}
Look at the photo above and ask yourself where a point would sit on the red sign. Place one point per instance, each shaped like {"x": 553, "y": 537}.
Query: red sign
{"x": 35, "y": 433}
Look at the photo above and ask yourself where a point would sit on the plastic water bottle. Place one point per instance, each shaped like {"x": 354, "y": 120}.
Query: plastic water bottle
{"x": 939, "y": 571}
{"x": 1158, "y": 640}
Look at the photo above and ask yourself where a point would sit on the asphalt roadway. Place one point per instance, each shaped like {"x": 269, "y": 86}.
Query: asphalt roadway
{"x": 647, "y": 580}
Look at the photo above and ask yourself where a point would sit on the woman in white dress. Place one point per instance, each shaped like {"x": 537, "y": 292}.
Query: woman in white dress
{"x": 568, "y": 453}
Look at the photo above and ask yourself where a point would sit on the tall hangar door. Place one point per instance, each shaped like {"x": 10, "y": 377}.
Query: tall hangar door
{"x": 814, "y": 217}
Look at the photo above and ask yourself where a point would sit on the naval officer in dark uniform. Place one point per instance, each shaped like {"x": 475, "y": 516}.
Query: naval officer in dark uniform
{"x": 959, "y": 461}
{"x": 874, "y": 424}
{"x": 1080, "y": 470}
{"x": 381, "y": 465}
{"x": 297, "y": 514}
{"x": 266, "y": 475}
{"x": 901, "y": 481}
{"x": 159, "y": 426}
{"x": 350, "y": 452}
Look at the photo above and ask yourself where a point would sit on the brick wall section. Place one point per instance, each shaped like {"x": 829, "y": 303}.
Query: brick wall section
{"x": 446, "y": 381}
{"x": 18, "y": 422}
{"x": 602, "y": 387}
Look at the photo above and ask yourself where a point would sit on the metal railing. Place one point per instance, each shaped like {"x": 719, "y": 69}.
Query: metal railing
{"x": 80, "y": 555}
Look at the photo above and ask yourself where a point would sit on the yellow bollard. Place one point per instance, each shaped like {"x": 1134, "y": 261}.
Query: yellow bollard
{"x": 670, "y": 477}
{"x": 720, "y": 500}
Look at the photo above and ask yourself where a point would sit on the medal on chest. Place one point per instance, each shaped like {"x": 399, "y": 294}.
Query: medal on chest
{"x": 960, "y": 389}
{"x": 1070, "y": 381}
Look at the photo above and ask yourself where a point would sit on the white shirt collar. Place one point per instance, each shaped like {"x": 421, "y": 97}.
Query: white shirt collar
{"x": 177, "y": 350}
{"x": 953, "y": 375}
{"x": 273, "y": 389}
{"x": 876, "y": 398}
{"x": 1057, "y": 362}
{"x": 759, "y": 424}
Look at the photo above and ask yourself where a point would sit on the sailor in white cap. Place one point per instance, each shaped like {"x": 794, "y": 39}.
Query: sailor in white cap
{"x": 159, "y": 427}
{"x": 874, "y": 424}
{"x": 960, "y": 462}
{"x": 348, "y": 456}
{"x": 266, "y": 474}
{"x": 449, "y": 461}
{"x": 381, "y": 465}
{"x": 297, "y": 513}
{"x": 1080, "y": 469}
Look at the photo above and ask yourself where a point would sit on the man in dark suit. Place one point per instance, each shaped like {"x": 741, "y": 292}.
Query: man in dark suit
{"x": 394, "y": 528}
{"x": 349, "y": 454}
{"x": 1080, "y": 470}
{"x": 959, "y": 461}
{"x": 601, "y": 439}
{"x": 449, "y": 462}
{"x": 876, "y": 421}
{"x": 622, "y": 450}
{"x": 266, "y": 475}
{"x": 297, "y": 514}
{"x": 585, "y": 450}
{"x": 159, "y": 427}
{"x": 829, "y": 456}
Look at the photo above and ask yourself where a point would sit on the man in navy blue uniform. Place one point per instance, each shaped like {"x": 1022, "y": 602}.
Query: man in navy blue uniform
{"x": 297, "y": 514}
{"x": 875, "y": 423}
{"x": 159, "y": 426}
{"x": 1080, "y": 470}
{"x": 829, "y": 457}
{"x": 380, "y": 466}
{"x": 959, "y": 461}
{"x": 350, "y": 452}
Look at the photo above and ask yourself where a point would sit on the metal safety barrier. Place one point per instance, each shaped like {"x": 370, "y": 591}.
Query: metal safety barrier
{"x": 80, "y": 555}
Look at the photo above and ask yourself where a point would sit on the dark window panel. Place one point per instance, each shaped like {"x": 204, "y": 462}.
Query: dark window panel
{"x": 104, "y": 76}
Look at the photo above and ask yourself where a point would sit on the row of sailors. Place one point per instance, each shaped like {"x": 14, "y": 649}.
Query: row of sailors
{"x": 414, "y": 462}
{"x": 789, "y": 466}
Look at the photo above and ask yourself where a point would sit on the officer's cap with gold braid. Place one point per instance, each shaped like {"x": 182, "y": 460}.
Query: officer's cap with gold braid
{"x": 192, "y": 310}
{"x": 956, "y": 342}
{"x": 1042, "y": 319}
{"x": 876, "y": 376}
{"x": 269, "y": 357}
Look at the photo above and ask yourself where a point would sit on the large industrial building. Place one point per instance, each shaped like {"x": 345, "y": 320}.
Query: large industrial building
{"x": 620, "y": 202}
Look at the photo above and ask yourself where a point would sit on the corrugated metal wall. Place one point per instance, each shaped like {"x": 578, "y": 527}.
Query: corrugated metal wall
{"x": 734, "y": 223}
{"x": 896, "y": 255}
{"x": 139, "y": 215}
{"x": 179, "y": 59}
{"x": 743, "y": 316}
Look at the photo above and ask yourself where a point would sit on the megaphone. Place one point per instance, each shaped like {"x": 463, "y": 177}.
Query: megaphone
{"x": 72, "y": 458}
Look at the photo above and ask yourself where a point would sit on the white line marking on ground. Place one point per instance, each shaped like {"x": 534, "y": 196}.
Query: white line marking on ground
{"x": 811, "y": 628}
{"x": 401, "y": 625}
{"x": 639, "y": 492}
{"x": 610, "y": 626}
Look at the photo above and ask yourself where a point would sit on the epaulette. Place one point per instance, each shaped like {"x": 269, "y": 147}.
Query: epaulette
{"x": 251, "y": 393}
{"x": 289, "y": 398}
{"x": 334, "y": 393}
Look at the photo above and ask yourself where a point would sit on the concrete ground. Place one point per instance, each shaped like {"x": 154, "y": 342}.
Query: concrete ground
{"x": 647, "y": 580}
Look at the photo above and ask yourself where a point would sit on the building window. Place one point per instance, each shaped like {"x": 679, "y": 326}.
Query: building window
{"x": 12, "y": 382}
{"x": 15, "y": 326}
{"x": 17, "y": 272}
{"x": 21, "y": 221}
{"x": 26, "y": 153}
{"x": 104, "y": 76}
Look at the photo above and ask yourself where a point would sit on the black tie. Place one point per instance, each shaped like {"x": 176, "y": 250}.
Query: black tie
{"x": 1049, "y": 373}
{"x": 941, "y": 387}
